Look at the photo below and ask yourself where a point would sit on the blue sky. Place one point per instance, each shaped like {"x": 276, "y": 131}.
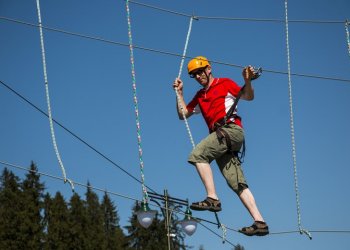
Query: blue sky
{"x": 91, "y": 94}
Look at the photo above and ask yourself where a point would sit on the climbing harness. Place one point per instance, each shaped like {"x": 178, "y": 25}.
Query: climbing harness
{"x": 301, "y": 230}
{"x": 221, "y": 133}
{"x": 230, "y": 112}
{"x": 138, "y": 127}
{"x": 52, "y": 131}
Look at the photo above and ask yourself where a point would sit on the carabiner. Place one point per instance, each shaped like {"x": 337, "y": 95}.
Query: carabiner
{"x": 257, "y": 73}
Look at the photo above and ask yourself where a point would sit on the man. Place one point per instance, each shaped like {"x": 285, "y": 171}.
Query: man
{"x": 224, "y": 141}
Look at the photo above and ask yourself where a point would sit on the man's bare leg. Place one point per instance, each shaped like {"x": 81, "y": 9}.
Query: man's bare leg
{"x": 248, "y": 200}
{"x": 206, "y": 174}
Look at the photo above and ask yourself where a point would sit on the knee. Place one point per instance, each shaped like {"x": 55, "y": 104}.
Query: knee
{"x": 241, "y": 187}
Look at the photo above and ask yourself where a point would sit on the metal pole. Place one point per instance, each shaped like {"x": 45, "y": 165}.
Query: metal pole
{"x": 167, "y": 219}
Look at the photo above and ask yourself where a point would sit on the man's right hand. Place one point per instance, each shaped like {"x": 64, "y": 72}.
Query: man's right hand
{"x": 178, "y": 85}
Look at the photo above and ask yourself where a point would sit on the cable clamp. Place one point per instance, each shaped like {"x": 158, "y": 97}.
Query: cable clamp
{"x": 304, "y": 231}
{"x": 71, "y": 183}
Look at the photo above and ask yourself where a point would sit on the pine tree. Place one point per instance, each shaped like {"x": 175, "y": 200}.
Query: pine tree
{"x": 32, "y": 221}
{"x": 94, "y": 216}
{"x": 114, "y": 236}
{"x": 77, "y": 223}
{"x": 11, "y": 205}
{"x": 56, "y": 222}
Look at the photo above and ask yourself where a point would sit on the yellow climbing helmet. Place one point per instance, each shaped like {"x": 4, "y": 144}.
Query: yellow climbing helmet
{"x": 197, "y": 63}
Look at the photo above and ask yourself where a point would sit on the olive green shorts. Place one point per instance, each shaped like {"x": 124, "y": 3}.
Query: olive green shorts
{"x": 211, "y": 148}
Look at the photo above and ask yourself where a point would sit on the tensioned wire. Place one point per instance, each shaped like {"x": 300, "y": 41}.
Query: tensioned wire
{"x": 99, "y": 39}
{"x": 235, "y": 18}
{"x": 301, "y": 230}
{"x": 52, "y": 131}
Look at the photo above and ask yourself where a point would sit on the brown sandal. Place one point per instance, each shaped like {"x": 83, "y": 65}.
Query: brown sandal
{"x": 210, "y": 204}
{"x": 258, "y": 228}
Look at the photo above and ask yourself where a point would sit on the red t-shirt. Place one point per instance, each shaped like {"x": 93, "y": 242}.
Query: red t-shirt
{"x": 215, "y": 101}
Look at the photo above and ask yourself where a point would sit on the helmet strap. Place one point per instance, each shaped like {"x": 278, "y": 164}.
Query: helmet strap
{"x": 207, "y": 76}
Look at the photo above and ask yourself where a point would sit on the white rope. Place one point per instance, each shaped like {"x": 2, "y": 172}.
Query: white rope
{"x": 186, "y": 45}
{"x": 347, "y": 23}
{"x": 136, "y": 106}
{"x": 292, "y": 128}
{"x": 224, "y": 232}
{"x": 179, "y": 75}
{"x": 53, "y": 137}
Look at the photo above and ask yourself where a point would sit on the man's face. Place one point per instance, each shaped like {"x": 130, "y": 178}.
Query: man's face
{"x": 201, "y": 75}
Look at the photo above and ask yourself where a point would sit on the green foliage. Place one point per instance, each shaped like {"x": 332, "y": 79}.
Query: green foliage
{"x": 56, "y": 221}
{"x": 114, "y": 236}
{"x": 11, "y": 206}
{"x": 32, "y": 223}
{"x": 94, "y": 221}
{"x": 77, "y": 223}
{"x": 32, "y": 220}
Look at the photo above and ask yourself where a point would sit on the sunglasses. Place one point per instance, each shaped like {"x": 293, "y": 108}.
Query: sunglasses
{"x": 200, "y": 71}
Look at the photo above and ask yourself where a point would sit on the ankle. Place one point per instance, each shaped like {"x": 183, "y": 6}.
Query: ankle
{"x": 213, "y": 197}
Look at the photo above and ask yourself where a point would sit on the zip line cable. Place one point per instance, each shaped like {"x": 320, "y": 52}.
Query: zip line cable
{"x": 233, "y": 18}
{"x": 138, "y": 126}
{"x": 301, "y": 230}
{"x": 161, "y": 9}
{"x": 73, "y": 134}
{"x": 99, "y": 39}
{"x": 199, "y": 220}
{"x": 179, "y": 76}
{"x": 53, "y": 137}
